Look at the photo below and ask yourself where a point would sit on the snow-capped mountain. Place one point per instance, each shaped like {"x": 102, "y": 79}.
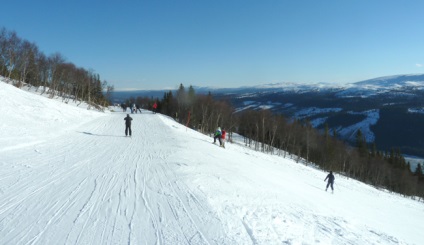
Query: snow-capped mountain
{"x": 392, "y": 82}
{"x": 387, "y": 110}
{"x": 378, "y": 85}
{"x": 381, "y": 85}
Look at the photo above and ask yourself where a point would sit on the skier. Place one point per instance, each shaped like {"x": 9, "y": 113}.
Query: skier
{"x": 217, "y": 135}
{"x": 155, "y": 106}
{"x": 124, "y": 107}
{"x": 330, "y": 178}
{"x": 223, "y": 133}
{"x": 128, "y": 120}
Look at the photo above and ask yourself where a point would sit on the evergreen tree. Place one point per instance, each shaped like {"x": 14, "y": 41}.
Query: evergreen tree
{"x": 168, "y": 104}
{"x": 326, "y": 133}
{"x": 361, "y": 144}
{"x": 408, "y": 165}
{"x": 181, "y": 98}
{"x": 374, "y": 150}
{"x": 392, "y": 157}
{"x": 418, "y": 171}
{"x": 334, "y": 133}
{"x": 191, "y": 96}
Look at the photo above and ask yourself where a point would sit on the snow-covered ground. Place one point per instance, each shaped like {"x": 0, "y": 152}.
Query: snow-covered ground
{"x": 416, "y": 110}
{"x": 69, "y": 176}
{"x": 365, "y": 126}
{"x": 307, "y": 112}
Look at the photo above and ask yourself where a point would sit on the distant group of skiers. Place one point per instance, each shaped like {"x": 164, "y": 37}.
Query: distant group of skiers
{"x": 134, "y": 108}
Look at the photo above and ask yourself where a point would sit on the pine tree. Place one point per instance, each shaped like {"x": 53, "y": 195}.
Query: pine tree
{"x": 361, "y": 144}
{"x": 408, "y": 165}
{"x": 181, "y": 98}
{"x": 191, "y": 96}
{"x": 418, "y": 171}
{"x": 326, "y": 133}
{"x": 392, "y": 157}
{"x": 334, "y": 133}
{"x": 374, "y": 150}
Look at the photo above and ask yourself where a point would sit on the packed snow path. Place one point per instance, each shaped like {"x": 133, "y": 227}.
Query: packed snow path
{"x": 96, "y": 186}
{"x": 70, "y": 176}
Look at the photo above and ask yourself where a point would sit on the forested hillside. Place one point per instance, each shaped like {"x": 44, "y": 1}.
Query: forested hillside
{"x": 22, "y": 63}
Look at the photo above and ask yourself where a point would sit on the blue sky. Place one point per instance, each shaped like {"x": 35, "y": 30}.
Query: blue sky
{"x": 157, "y": 44}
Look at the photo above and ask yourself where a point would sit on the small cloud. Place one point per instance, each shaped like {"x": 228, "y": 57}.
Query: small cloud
{"x": 419, "y": 65}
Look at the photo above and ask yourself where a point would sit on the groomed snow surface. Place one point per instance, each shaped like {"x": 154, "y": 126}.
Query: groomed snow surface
{"x": 69, "y": 175}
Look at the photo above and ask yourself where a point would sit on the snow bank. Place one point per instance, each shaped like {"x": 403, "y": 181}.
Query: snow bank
{"x": 29, "y": 118}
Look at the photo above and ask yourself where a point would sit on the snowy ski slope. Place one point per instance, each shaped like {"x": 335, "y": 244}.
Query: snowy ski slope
{"x": 70, "y": 176}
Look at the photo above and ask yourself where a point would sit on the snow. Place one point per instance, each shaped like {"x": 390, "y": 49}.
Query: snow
{"x": 295, "y": 86}
{"x": 314, "y": 111}
{"x": 318, "y": 121}
{"x": 266, "y": 107}
{"x": 365, "y": 126}
{"x": 68, "y": 175}
{"x": 45, "y": 117}
{"x": 248, "y": 102}
{"x": 416, "y": 110}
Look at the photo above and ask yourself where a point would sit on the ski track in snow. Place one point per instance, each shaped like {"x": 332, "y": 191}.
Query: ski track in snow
{"x": 99, "y": 198}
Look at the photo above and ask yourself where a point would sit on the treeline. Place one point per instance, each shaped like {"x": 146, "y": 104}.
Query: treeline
{"x": 274, "y": 134}
{"x": 23, "y": 62}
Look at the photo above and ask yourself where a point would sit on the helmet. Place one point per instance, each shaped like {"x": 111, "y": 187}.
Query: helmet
{"x": 219, "y": 128}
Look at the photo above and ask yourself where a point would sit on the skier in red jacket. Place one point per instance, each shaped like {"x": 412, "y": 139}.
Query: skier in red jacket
{"x": 223, "y": 134}
{"x": 155, "y": 106}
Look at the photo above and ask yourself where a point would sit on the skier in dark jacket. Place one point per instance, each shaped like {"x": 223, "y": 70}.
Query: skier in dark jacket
{"x": 128, "y": 120}
{"x": 330, "y": 178}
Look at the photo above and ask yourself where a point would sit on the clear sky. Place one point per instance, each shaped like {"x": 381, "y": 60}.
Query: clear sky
{"x": 155, "y": 44}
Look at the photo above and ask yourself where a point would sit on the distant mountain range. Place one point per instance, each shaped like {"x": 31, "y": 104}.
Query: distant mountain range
{"x": 388, "y": 110}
